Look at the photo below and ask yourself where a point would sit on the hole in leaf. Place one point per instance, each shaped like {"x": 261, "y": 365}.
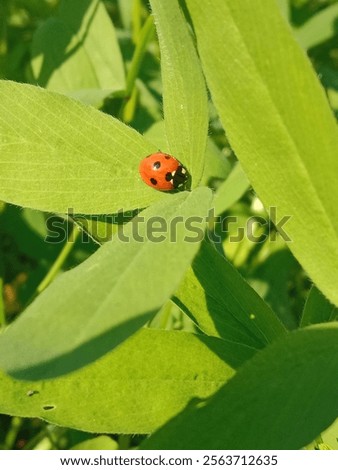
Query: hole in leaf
{"x": 48, "y": 407}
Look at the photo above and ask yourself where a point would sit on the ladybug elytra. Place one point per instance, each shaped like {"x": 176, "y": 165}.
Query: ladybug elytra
{"x": 163, "y": 172}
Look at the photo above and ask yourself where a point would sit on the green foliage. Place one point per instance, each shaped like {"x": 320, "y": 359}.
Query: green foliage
{"x": 184, "y": 94}
{"x": 100, "y": 298}
{"x": 128, "y": 311}
{"x": 269, "y": 128}
{"x": 156, "y": 384}
{"x": 97, "y": 443}
{"x": 319, "y": 28}
{"x": 231, "y": 190}
{"x": 223, "y": 305}
{"x": 318, "y": 309}
{"x": 78, "y": 50}
{"x": 79, "y": 152}
{"x": 283, "y": 409}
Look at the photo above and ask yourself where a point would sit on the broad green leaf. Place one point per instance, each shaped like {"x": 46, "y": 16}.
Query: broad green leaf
{"x": 134, "y": 389}
{"x": 222, "y": 304}
{"x": 285, "y": 138}
{"x": 156, "y": 134}
{"x": 272, "y": 279}
{"x": 319, "y": 28}
{"x": 78, "y": 50}
{"x": 97, "y": 443}
{"x": 92, "y": 97}
{"x": 318, "y": 309}
{"x": 184, "y": 93}
{"x": 282, "y": 398}
{"x": 94, "y": 307}
{"x": 216, "y": 167}
{"x": 29, "y": 229}
{"x": 330, "y": 436}
{"x": 284, "y": 7}
{"x": 102, "y": 229}
{"x": 57, "y": 154}
{"x": 333, "y": 97}
{"x": 231, "y": 190}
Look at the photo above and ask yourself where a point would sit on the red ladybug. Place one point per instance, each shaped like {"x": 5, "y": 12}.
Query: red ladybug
{"x": 163, "y": 172}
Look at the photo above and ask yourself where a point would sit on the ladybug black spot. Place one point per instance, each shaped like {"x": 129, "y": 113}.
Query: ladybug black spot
{"x": 167, "y": 157}
{"x": 157, "y": 165}
{"x": 153, "y": 181}
{"x": 168, "y": 176}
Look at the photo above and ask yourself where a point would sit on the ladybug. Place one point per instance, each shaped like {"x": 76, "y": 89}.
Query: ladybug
{"x": 163, "y": 172}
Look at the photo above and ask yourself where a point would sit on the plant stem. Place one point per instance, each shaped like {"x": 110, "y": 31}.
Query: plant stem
{"x": 124, "y": 441}
{"x": 129, "y": 105}
{"x": 165, "y": 315}
{"x": 41, "y": 441}
{"x": 136, "y": 20}
{"x": 60, "y": 260}
{"x": 13, "y": 432}
{"x": 3, "y": 36}
{"x": 144, "y": 37}
{"x": 2, "y": 307}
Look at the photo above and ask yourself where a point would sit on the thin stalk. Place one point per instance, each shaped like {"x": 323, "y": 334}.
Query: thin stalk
{"x": 3, "y": 35}
{"x": 44, "y": 440}
{"x": 3, "y": 27}
{"x": 128, "y": 107}
{"x": 136, "y": 20}
{"x": 2, "y": 307}
{"x": 60, "y": 260}
{"x": 124, "y": 441}
{"x": 13, "y": 432}
{"x": 145, "y": 36}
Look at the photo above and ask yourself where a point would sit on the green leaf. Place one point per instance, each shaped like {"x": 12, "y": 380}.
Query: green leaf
{"x": 134, "y": 389}
{"x": 156, "y": 134}
{"x": 231, "y": 190}
{"x": 78, "y": 50}
{"x": 57, "y": 154}
{"x": 318, "y": 309}
{"x": 222, "y": 304}
{"x": 102, "y": 229}
{"x": 184, "y": 93}
{"x": 283, "y": 398}
{"x": 318, "y": 28}
{"x": 216, "y": 168}
{"x": 272, "y": 279}
{"x": 284, "y": 7}
{"x": 94, "y": 307}
{"x": 330, "y": 436}
{"x": 258, "y": 87}
{"x": 97, "y": 443}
